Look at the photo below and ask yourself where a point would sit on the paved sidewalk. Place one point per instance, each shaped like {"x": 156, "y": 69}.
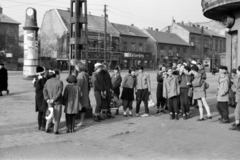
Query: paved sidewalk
{"x": 154, "y": 137}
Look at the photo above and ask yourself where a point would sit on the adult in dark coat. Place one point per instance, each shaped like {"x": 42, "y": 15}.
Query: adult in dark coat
{"x": 41, "y": 105}
{"x": 3, "y": 79}
{"x": 108, "y": 88}
{"x": 161, "y": 101}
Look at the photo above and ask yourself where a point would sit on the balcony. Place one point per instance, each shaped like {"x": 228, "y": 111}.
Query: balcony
{"x": 217, "y": 9}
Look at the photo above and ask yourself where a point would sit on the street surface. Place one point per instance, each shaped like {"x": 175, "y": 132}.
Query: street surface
{"x": 151, "y": 138}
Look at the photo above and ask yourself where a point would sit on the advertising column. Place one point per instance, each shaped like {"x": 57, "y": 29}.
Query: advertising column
{"x": 30, "y": 44}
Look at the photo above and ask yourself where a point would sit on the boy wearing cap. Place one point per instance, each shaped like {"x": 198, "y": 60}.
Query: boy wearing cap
{"x": 222, "y": 95}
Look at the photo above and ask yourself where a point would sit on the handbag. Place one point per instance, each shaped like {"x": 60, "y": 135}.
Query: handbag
{"x": 151, "y": 103}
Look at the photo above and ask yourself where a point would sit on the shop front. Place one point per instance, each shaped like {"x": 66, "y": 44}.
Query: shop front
{"x": 133, "y": 59}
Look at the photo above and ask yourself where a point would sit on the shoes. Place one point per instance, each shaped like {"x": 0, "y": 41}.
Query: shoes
{"x": 185, "y": 117}
{"x": 68, "y": 131}
{"x": 224, "y": 121}
{"x": 7, "y": 91}
{"x": 96, "y": 119}
{"x": 137, "y": 115}
{"x": 42, "y": 129}
{"x": 172, "y": 116}
{"x": 163, "y": 111}
{"x": 130, "y": 115}
{"x": 201, "y": 119}
{"x": 125, "y": 115}
{"x": 101, "y": 118}
{"x": 158, "y": 112}
{"x": 176, "y": 117}
{"x": 56, "y": 132}
{"x": 117, "y": 112}
{"x": 1, "y": 94}
{"x": 48, "y": 131}
{"x": 145, "y": 115}
{"x": 235, "y": 127}
{"x": 208, "y": 117}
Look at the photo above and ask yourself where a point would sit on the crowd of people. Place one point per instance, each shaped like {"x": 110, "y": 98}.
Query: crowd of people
{"x": 179, "y": 87}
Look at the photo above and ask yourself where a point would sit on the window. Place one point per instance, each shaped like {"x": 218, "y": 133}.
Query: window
{"x": 125, "y": 46}
{"x": 140, "y": 47}
{"x": 216, "y": 45}
{"x": 178, "y": 50}
{"x": 162, "y": 48}
{"x": 170, "y": 50}
{"x": 133, "y": 47}
{"x": 184, "y": 50}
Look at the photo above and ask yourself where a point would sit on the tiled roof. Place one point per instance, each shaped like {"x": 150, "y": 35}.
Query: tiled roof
{"x": 167, "y": 38}
{"x": 194, "y": 28}
{"x": 95, "y": 23}
{"x": 129, "y": 30}
{"x": 6, "y": 19}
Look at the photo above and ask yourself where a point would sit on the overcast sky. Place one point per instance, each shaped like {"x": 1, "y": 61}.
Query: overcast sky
{"x": 141, "y": 13}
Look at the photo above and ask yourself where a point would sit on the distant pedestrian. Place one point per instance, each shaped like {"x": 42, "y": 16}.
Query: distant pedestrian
{"x": 171, "y": 92}
{"x": 223, "y": 95}
{"x": 199, "y": 92}
{"x": 52, "y": 92}
{"x": 83, "y": 83}
{"x": 127, "y": 95}
{"x": 161, "y": 101}
{"x": 3, "y": 79}
{"x": 71, "y": 101}
{"x": 116, "y": 83}
{"x": 143, "y": 90}
{"x": 40, "y": 104}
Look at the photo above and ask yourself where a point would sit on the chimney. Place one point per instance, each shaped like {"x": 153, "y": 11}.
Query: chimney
{"x": 169, "y": 29}
{"x": 1, "y": 10}
{"x": 151, "y": 28}
{"x": 173, "y": 20}
{"x": 156, "y": 29}
{"x": 132, "y": 24}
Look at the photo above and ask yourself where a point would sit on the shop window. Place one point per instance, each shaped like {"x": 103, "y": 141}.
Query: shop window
{"x": 133, "y": 47}
{"x": 170, "y": 50}
{"x": 140, "y": 47}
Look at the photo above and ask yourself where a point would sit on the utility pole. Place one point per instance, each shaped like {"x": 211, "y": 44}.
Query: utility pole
{"x": 86, "y": 35}
{"x": 202, "y": 45}
{"x": 105, "y": 32}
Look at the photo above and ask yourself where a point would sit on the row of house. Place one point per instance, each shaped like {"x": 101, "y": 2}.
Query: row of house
{"x": 126, "y": 44}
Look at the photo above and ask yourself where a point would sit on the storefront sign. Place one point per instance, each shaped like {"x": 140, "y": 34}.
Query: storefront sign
{"x": 133, "y": 55}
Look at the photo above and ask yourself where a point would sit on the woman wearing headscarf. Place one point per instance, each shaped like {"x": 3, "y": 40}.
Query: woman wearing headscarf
{"x": 83, "y": 83}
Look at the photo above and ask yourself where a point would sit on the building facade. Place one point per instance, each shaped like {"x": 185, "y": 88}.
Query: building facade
{"x": 204, "y": 42}
{"x": 166, "y": 47}
{"x": 133, "y": 46}
{"x": 54, "y": 40}
{"x": 9, "y": 41}
{"x": 227, "y": 12}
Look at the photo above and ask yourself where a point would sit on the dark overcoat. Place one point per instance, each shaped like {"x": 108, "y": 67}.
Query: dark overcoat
{"x": 41, "y": 104}
{"x": 3, "y": 79}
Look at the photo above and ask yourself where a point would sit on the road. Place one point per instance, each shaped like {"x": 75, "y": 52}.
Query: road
{"x": 154, "y": 137}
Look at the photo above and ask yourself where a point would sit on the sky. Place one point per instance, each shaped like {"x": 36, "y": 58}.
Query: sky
{"x": 141, "y": 13}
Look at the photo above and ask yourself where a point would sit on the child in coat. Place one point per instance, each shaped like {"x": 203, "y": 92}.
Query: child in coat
{"x": 171, "y": 91}
{"x": 222, "y": 95}
{"x": 71, "y": 101}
